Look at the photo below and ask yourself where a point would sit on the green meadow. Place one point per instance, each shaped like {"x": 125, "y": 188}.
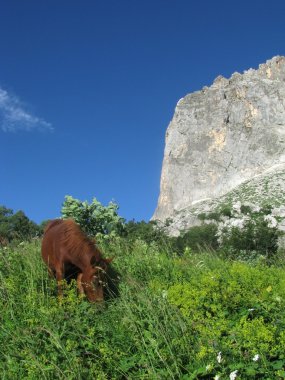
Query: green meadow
{"x": 177, "y": 316}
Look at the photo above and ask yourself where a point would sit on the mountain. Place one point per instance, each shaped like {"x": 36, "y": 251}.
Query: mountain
{"x": 223, "y": 139}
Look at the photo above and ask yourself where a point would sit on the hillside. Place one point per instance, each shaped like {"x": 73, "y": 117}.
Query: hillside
{"x": 176, "y": 317}
{"x": 265, "y": 189}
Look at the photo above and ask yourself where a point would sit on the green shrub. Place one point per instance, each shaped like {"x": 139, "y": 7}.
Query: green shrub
{"x": 198, "y": 238}
{"x": 242, "y": 231}
{"x": 94, "y": 218}
{"x": 245, "y": 209}
{"x": 254, "y": 238}
{"x": 150, "y": 233}
{"x": 237, "y": 311}
{"x": 225, "y": 210}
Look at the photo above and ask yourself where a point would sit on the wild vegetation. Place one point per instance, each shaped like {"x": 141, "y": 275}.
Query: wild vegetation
{"x": 15, "y": 226}
{"x": 182, "y": 312}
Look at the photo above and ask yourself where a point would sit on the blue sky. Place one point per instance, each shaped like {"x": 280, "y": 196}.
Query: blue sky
{"x": 88, "y": 88}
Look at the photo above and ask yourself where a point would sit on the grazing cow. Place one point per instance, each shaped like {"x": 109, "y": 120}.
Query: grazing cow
{"x": 68, "y": 252}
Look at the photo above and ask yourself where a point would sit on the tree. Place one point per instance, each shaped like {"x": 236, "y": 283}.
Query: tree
{"x": 15, "y": 226}
{"x": 22, "y": 226}
{"x": 146, "y": 231}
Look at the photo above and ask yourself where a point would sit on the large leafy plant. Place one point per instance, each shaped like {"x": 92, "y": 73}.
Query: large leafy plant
{"x": 94, "y": 218}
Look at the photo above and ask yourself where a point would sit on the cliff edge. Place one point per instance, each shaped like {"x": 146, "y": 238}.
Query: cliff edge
{"x": 223, "y": 136}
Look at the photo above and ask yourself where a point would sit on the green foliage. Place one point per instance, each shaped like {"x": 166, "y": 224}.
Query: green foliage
{"x": 134, "y": 336}
{"x": 242, "y": 231}
{"x": 235, "y": 310}
{"x": 245, "y": 209}
{"x": 15, "y": 226}
{"x": 197, "y": 238}
{"x": 202, "y": 216}
{"x": 94, "y": 218}
{"x": 255, "y": 237}
{"x": 141, "y": 230}
{"x": 149, "y": 233}
{"x": 225, "y": 210}
{"x": 193, "y": 316}
{"x": 266, "y": 209}
{"x": 214, "y": 216}
{"x": 210, "y": 216}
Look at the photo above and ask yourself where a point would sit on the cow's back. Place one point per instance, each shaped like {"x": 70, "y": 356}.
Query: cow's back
{"x": 51, "y": 242}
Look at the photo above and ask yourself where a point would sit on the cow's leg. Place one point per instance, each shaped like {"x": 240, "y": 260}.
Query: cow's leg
{"x": 79, "y": 284}
{"x": 59, "y": 274}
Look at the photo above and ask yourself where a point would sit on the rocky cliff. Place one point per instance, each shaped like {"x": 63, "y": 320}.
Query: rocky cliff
{"x": 221, "y": 137}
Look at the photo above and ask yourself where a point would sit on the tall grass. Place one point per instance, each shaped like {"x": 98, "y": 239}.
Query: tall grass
{"x": 131, "y": 336}
{"x": 166, "y": 323}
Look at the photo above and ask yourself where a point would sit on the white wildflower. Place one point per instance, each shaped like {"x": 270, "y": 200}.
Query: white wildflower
{"x": 251, "y": 309}
{"x": 256, "y": 208}
{"x": 233, "y": 375}
{"x": 209, "y": 367}
{"x": 217, "y": 377}
{"x": 219, "y": 357}
{"x": 256, "y": 358}
{"x": 164, "y": 294}
{"x": 237, "y": 206}
{"x": 271, "y": 221}
{"x": 239, "y": 223}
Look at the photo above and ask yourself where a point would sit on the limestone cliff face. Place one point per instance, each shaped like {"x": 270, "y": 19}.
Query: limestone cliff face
{"x": 222, "y": 136}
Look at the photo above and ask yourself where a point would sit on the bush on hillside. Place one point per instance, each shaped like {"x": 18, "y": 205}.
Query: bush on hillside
{"x": 198, "y": 238}
{"x": 244, "y": 230}
{"x": 254, "y": 237}
{"x": 149, "y": 232}
{"x": 249, "y": 230}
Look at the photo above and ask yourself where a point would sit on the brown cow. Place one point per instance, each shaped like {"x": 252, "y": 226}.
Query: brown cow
{"x": 66, "y": 249}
